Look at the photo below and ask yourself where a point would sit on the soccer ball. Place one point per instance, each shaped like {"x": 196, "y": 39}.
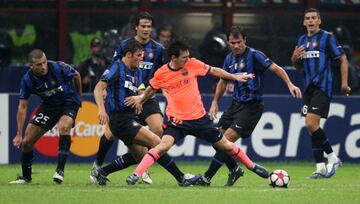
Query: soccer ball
{"x": 279, "y": 178}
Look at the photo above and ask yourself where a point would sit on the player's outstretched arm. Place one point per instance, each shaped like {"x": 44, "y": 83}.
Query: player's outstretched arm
{"x": 215, "y": 71}
{"x": 99, "y": 93}
{"x": 219, "y": 92}
{"x": 280, "y": 72}
{"x": 20, "y": 118}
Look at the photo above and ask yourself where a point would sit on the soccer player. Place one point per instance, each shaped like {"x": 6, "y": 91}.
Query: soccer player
{"x": 185, "y": 109}
{"x": 313, "y": 54}
{"x": 59, "y": 86}
{"x": 153, "y": 59}
{"x": 121, "y": 83}
{"x": 245, "y": 111}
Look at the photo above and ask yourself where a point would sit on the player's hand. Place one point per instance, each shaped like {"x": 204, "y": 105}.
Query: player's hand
{"x": 298, "y": 54}
{"x": 132, "y": 101}
{"x": 177, "y": 121}
{"x": 103, "y": 118}
{"x": 295, "y": 91}
{"x": 138, "y": 108}
{"x": 244, "y": 77}
{"x": 17, "y": 141}
{"x": 213, "y": 110}
{"x": 345, "y": 89}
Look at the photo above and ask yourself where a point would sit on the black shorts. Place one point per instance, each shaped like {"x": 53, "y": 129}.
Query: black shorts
{"x": 47, "y": 116}
{"x": 315, "y": 101}
{"x": 203, "y": 128}
{"x": 150, "y": 107}
{"x": 124, "y": 126}
{"x": 242, "y": 117}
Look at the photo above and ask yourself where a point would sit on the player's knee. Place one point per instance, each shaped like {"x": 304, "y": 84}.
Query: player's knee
{"x": 311, "y": 127}
{"x": 27, "y": 145}
{"x": 64, "y": 129}
{"x": 157, "y": 130}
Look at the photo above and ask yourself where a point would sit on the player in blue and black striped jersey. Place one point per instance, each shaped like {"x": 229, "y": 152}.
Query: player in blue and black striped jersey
{"x": 313, "y": 55}
{"x": 154, "y": 56}
{"x": 59, "y": 86}
{"x": 240, "y": 119}
{"x": 121, "y": 83}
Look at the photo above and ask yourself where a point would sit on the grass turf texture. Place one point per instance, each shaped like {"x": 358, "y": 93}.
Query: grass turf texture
{"x": 344, "y": 187}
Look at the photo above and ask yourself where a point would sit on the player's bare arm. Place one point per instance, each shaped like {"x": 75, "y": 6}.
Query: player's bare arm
{"x": 297, "y": 57}
{"x": 219, "y": 92}
{"x": 133, "y": 100}
{"x": 20, "y": 118}
{"x": 344, "y": 68}
{"x": 99, "y": 99}
{"x": 149, "y": 92}
{"x": 280, "y": 72}
{"x": 215, "y": 71}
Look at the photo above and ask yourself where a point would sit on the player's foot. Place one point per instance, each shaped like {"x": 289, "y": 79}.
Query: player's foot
{"x": 145, "y": 177}
{"x": 332, "y": 168}
{"x": 189, "y": 180}
{"x": 260, "y": 171}
{"x": 94, "y": 166}
{"x": 99, "y": 176}
{"x": 317, "y": 175}
{"x": 20, "y": 180}
{"x": 234, "y": 175}
{"x": 132, "y": 179}
{"x": 58, "y": 176}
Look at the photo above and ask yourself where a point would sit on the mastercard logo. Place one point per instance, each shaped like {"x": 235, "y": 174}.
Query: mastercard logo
{"x": 85, "y": 135}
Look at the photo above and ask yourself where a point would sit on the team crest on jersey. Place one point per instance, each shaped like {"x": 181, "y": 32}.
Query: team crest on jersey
{"x": 235, "y": 66}
{"x": 149, "y": 54}
{"x": 314, "y": 44}
{"x": 184, "y": 72}
{"x": 242, "y": 65}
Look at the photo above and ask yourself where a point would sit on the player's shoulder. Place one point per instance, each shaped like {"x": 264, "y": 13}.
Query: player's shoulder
{"x": 156, "y": 43}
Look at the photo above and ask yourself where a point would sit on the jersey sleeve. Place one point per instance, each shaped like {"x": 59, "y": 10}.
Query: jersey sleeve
{"x": 263, "y": 60}
{"x": 110, "y": 75}
{"x": 25, "y": 91}
{"x": 334, "y": 47}
{"x": 198, "y": 67}
{"x": 226, "y": 64}
{"x": 156, "y": 82}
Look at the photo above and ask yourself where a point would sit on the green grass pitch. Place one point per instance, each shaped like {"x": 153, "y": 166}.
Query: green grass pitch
{"x": 344, "y": 187}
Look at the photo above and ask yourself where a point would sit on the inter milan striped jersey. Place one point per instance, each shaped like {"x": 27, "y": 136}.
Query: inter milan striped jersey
{"x": 153, "y": 57}
{"x": 251, "y": 61}
{"x": 320, "y": 49}
{"x": 55, "y": 88}
{"x": 122, "y": 82}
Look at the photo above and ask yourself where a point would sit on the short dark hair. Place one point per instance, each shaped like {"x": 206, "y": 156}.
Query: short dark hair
{"x": 132, "y": 47}
{"x": 35, "y": 54}
{"x": 310, "y": 10}
{"x": 143, "y": 15}
{"x": 236, "y": 31}
{"x": 176, "y": 47}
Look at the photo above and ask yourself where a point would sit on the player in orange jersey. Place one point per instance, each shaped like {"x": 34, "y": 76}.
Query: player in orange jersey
{"x": 185, "y": 109}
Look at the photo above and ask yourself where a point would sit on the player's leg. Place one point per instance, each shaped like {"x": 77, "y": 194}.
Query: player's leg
{"x": 152, "y": 156}
{"x": 233, "y": 150}
{"x": 105, "y": 143}
{"x": 32, "y": 135}
{"x": 65, "y": 124}
{"x": 222, "y": 157}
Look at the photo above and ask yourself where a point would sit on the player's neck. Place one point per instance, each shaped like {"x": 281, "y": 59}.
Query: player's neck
{"x": 174, "y": 66}
{"x": 142, "y": 40}
{"x": 310, "y": 33}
